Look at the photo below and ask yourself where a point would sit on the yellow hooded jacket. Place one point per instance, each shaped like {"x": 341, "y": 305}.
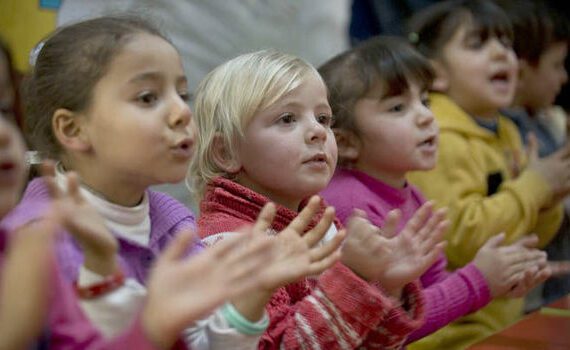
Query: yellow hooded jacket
{"x": 480, "y": 177}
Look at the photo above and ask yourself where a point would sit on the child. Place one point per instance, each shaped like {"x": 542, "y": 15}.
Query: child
{"x": 481, "y": 172}
{"x": 34, "y": 296}
{"x": 107, "y": 97}
{"x": 378, "y": 93}
{"x": 264, "y": 134}
{"x": 541, "y": 43}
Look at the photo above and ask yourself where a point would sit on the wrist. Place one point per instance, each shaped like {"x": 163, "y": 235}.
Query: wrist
{"x": 252, "y": 306}
{"x": 103, "y": 265}
{"x": 155, "y": 331}
{"x": 108, "y": 284}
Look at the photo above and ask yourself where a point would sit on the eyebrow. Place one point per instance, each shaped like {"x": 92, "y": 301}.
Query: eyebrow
{"x": 154, "y": 76}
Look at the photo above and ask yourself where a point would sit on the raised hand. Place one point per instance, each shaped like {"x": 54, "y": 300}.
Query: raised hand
{"x": 181, "y": 291}
{"x": 300, "y": 254}
{"x": 394, "y": 260}
{"x": 82, "y": 221}
{"x": 514, "y": 269}
{"x": 555, "y": 168}
{"x": 26, "y": 278}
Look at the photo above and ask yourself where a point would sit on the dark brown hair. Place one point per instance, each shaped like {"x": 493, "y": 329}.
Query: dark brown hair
{"x": 433, "y": 27}
{"x": 69, "y": 64}
{"x": 536, "y": 27}
{"x": 389, "y": 61}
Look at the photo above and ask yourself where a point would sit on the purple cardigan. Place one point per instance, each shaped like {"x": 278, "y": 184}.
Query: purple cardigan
{"x": 448, "y": 296}
{"x": 67, "y": 326}
{"x": 167, "y": 218}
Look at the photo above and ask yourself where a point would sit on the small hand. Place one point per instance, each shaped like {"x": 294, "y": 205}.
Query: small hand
{"x": 181, "y": 291}
{"x": 394, "y": 260}
{"x": 299, "y": 254}
{"x": 82, "y": 221}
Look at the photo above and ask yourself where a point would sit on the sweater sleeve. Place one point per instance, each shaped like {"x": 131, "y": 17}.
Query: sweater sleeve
{"x": 462, "y": 292}
{"x": 400, "y": 321}
{"x": 339, "y": 313}
{"x": 459, "y": 183}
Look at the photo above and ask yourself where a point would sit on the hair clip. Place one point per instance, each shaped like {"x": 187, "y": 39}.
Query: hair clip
{"x": 34, "y": 53}
{"x": 33, "y": 158}
{"x": 413, "y": 37}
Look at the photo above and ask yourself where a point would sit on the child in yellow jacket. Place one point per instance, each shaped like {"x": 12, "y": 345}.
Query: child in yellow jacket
{"x": 482, "y": 174}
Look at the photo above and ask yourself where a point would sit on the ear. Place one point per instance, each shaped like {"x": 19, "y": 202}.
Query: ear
{"x": 348, "y": 144}
{"x": 224, "y": 158}
{"x": 68, "y": 128}
{"x": 441, "y": 81}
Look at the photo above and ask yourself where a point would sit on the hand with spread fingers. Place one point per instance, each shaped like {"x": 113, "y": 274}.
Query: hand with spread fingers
{"x": 182, "y": 290}
{"x": 514, "y": 269}
{"x": 82, "y": 220}
{"x": 393, "y": 259}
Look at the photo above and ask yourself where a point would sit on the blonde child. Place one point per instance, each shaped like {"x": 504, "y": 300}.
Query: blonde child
{"x": 384, "y": 128}
{"x": 482, "y": 174}
{"x": 107, "y": 98}
{"x": 264, "y": 135}
{"x": 38, "y": 307}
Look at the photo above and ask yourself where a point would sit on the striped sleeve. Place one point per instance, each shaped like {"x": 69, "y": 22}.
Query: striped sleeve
{"x": 338, "y": 313}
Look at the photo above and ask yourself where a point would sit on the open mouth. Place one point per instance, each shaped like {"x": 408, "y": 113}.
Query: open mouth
{"x": 500, "y": 77}
{"x": 430, "y": 141}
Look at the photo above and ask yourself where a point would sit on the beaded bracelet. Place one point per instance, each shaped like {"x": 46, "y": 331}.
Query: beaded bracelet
{"x": 109, "y": 284}
{"x": 241, "y": 324}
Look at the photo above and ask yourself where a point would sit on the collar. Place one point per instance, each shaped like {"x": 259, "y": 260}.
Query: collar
{"x": 132, "y": 223}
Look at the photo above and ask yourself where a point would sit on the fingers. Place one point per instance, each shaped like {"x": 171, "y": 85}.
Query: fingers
{"x": 434, "y": 230}
{"x": 265, "y": 218}
{"x": 532, "y": 147}
{"x": 495, "y": 241}
{"x": 47, "y": 170}
{"x": 559, "y": 268}
{"x": 419, "y": 219}
{"x": 300, "y": 223}
{"x": 529, "y": 241}
{"x": 390, "y": 227}
{"x": 321, "y": 252}
{"x": 177, "y": 248}
{"x": 73, "y": 187}
{"x": 315, "y": 235}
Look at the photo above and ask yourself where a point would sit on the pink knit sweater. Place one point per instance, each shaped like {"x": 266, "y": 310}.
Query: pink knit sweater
{"x": 337, "y": 311}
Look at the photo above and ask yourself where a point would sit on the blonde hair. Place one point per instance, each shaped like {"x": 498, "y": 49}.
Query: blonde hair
{"x": 230, "y": 96}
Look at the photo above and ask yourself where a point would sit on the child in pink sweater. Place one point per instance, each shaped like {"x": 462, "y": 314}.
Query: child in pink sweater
{"x": 384, "y": 128}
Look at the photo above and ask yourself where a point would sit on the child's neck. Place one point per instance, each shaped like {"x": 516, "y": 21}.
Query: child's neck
{"x": 390, "y": 179}
{"x": 126, "y": 193}
{"x": 292, "y": 203}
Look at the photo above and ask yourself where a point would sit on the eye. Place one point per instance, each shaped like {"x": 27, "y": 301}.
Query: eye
{"x": 325, "y": 119}
{"x": 147, "y": 98}
{"x": 185, "y": 96}
{"x": 397, "y": 108}
{"x": 425, "y": 101}
{"x": 506, "y": 41}
{"x": 286, "y": 119}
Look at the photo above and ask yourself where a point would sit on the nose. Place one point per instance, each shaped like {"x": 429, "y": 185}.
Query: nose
{"x": 425, "y": 116}
{"x": 181, "y": 114}
{"x": 6, "y": 132}
{"x": 316, "y": 132}
{"x": 498, "y": 49}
